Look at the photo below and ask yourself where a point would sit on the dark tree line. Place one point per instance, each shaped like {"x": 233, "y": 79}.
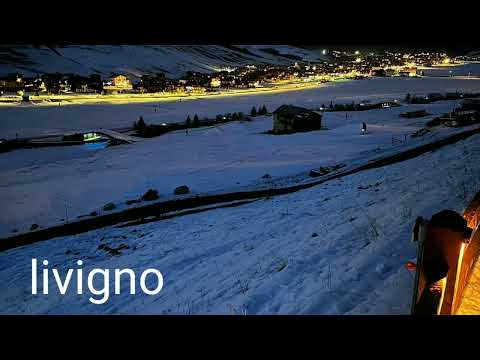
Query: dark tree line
{"x": 140, "y": 124}
{"x": 236, "y": 116}
{"x": 261, "y": 111}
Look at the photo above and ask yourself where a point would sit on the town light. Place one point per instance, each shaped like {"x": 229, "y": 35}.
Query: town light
{"x": 324, "y": 51}
{"x": 357, "y": 52}
{"x": 446, "y": 60}
{"x": 358, "y": 60}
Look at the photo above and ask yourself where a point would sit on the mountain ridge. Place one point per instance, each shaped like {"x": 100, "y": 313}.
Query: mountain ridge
{"x": 137, "y": 60}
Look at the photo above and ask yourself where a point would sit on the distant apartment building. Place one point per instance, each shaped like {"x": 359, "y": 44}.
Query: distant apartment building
{"x": 85, "y": 89}
{"x": 195, "y": 90}
{"x": 118, "y": 84}
{"x": 121, "y": 82}
{"x": 378, "y": 72}
{"x": 408, "y": 71}
{"x": 35, "y": 86}
{"x": 11, "y": 83}
{"x": 390, "y": 72}
{"x": 215, "y": 82}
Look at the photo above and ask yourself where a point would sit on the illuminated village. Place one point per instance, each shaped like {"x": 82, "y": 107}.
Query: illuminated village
{"x": 341, "y": 65}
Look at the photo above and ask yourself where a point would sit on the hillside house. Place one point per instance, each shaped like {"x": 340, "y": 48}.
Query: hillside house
{"x": 290, "y": 119}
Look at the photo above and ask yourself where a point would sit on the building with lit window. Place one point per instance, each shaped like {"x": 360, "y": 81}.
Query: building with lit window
{"x": 12, "y": 83}
{"x": 118, "y": 84}
{"x": 215, "y": 82}
{"x": 290, "y": 119}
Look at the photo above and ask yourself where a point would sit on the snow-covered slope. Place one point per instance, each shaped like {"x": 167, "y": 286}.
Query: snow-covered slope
{"x": 136, "y": 60}
{"x": 339, "y": 248}
{"x": 36, "y": 185}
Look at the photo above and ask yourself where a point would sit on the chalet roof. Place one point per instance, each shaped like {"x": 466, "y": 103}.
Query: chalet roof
{"x": 290, "y": 110}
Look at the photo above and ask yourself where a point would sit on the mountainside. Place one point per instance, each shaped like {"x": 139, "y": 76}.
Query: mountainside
{"x": 135, "y": 60}
{"x": 474, "y": 53}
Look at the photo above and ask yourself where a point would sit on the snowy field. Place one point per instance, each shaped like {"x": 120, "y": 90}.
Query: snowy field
{"x": 33, "y": 120}
{"x": 467, "y": 69}
{"x": 51, "y": 185}
{"x": 337, "y": 248}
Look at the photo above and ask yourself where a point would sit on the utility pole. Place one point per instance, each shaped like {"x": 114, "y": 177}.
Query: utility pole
{"x": 66, "y": 212}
